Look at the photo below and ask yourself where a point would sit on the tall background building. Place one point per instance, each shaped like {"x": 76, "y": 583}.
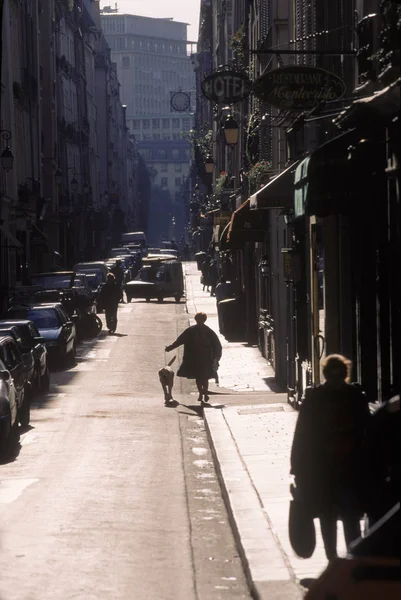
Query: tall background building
{"x": 153, "y": 62}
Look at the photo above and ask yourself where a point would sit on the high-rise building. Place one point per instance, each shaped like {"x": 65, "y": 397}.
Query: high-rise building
{"x": 153, "y": 63}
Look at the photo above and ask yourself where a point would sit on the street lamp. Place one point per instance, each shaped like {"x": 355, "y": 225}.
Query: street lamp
{"x": 74, "y": 184}
{"x": 85, "y": 188}
{"x": 231, "y": 131}
{"x": 209, "y": 165}
{"x": 7, "y": 157}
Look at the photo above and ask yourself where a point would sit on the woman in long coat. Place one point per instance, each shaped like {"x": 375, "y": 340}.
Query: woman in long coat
{"x": 202, "y": 351}
{"x": 328, "y": 455}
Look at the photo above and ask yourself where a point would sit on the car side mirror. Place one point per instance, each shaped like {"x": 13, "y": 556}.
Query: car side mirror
{"x": 5, "y": 375}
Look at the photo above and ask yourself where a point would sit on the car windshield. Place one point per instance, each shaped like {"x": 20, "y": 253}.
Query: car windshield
{"x": 44, "y": 318}
{"x": 51, "y": 282}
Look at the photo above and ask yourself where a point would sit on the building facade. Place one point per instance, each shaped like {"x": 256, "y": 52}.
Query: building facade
{"x": 315, "y": 270}
{"x": 71, "y": 178}
{"x": 153, "y": 62}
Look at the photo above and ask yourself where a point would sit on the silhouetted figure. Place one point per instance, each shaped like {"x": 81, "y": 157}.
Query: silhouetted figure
{"x": 108, "y": 299}
{"x": 327, "y": 457}
{"x": 202, "y": 351}
{"x": 213, "y": 277}
{"x": 118, "y": 273}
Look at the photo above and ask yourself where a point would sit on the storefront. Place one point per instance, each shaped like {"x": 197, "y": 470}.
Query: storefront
{"x": 347, "y": 232}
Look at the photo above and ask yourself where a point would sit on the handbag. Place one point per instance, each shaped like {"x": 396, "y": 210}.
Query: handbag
{"x": 301, "y": 528}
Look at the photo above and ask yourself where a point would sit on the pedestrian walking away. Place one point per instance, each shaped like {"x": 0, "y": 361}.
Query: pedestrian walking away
{"x": 328, "y": 458}
{"x": 118, "y": 273}
{"x": 202, "y": 351}
{"x": 108, "y": 299}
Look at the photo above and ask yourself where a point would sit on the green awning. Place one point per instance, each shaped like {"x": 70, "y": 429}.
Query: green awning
{"x": 324, "y": 180}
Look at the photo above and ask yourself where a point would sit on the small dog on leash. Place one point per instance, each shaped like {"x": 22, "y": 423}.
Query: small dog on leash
{"x": 166, "y": 376}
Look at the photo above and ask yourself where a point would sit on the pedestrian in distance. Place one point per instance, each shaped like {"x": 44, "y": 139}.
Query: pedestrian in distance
{"x": 202, "y": 351}
{"x": 205, "y": 273}
{"x": 118, "y": 273}
{"x": 213, "y": 277}
{"x": 187, "y": 252}
{"x": 108, "y": 299}
{"x": 328, "y": 457}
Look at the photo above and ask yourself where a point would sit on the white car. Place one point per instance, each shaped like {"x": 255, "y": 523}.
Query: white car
{"x": 8, "y": 411}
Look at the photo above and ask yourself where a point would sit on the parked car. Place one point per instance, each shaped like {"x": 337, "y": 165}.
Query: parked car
{"x": 12, "y": 358}
{"x": 31, "y": 338}
{"x": 54, "y": 325}
{"x": 9, "y": 433}
{"x": 157, "y": 279}
{"x": 26, "y": 353}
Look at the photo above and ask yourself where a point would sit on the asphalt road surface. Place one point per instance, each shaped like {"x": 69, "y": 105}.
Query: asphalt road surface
{"x": 111, "y": 494}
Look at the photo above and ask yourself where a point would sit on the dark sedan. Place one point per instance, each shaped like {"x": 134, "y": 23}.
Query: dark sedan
{"x": 27, "y": 355}
{"x": 32, "y": 339}
{"x": 54, "y": 325}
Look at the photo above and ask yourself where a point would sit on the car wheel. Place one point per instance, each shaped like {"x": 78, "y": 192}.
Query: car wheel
{"x": 129, "y": 299}
{"x": 71, "y": 357}
{"x": 160, "y": 299}
{"x": 147, "y": 299}
{"x": 45, "y": 380}
{"x": 9, "y": 436}
{"x": 24, "y": 411}
{"x": 177, "y": 298}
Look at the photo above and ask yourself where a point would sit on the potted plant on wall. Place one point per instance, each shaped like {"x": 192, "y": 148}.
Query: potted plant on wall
{"x": 258, "y": 175}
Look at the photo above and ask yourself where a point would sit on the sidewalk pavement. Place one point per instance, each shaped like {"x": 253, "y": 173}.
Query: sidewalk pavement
{"x": 250, "y": 429}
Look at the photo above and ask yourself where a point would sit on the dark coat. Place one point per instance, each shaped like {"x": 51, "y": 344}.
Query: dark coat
{"x": 327, "y": 456}
{"x": 201, "y": 348}
{"x": 109, "y": 296}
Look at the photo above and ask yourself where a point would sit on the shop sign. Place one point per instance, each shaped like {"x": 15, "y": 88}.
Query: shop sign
{"x": 298, "y": 87}
{"x": 226, "y": 87}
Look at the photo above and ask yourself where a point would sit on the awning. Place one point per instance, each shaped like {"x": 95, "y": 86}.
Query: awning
{"x": 14, "y": 242}
{"x": 380, "y": 108}
{"x": 323, "y": 180}
{"x": 223, "y": 244}
{"x": 278, "y": 193}
{"x": 246, "y": 225}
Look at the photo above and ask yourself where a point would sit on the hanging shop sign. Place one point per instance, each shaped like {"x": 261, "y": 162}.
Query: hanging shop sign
{"x": 298, "y": 87}
{"x": 226, "y": 87}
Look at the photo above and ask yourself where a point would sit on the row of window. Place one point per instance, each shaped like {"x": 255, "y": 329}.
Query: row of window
{"x": 127, "y": 43}
{"x": 158, "y": 136}
{"x": 161, "y": 123}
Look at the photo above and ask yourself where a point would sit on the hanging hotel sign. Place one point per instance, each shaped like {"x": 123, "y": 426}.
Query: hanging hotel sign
{"x": 226, "y": 87}
{"x": 298, "y": 87}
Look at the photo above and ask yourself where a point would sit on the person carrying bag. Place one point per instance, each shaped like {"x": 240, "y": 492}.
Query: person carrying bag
{"x": 327, "y": 459}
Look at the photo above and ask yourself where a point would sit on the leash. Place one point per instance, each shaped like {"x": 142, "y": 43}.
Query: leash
{"x": 168, "y": 364}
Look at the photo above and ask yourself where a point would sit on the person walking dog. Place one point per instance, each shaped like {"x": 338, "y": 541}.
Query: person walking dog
{"x": 202, "y": 351}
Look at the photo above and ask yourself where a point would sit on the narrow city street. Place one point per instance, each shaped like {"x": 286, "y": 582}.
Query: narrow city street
{"x": 113, "y": 495}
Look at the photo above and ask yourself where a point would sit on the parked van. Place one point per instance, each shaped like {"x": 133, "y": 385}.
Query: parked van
{"x": 134, "y": 237}
{"x": 98, "y": 267}
{"x": 157, "y": 279}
